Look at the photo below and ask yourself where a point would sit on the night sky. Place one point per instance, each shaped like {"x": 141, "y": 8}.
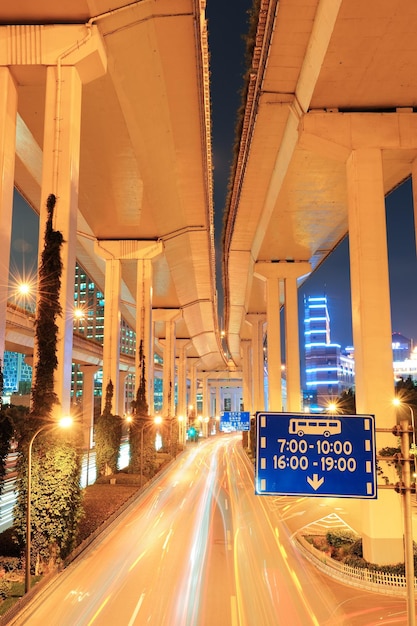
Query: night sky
{"x": 227, "y": 24}
{"x": 333, "y": 277}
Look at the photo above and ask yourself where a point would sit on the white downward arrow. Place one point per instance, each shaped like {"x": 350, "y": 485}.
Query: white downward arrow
{"x": 315, "y": 482}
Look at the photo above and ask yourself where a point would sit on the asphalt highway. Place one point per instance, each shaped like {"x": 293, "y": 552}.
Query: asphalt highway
{"x": 199, "y": 548}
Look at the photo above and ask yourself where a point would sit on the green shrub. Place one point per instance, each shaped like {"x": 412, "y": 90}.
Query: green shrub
{"x": 340, "y": 536}
{"x": 10, "y": 564}
{"x": 355, "y": 561}
{"x": 356, "y": 548}
{"x": 8, "y": 543}
{"x": 5, "y": 588}
{"x": 397, "y": 568}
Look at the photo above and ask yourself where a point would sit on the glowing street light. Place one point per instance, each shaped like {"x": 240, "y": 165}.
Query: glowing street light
{"x": 78, "y": 314}
{"x": 24, "y": 291}
{"x": 64, "y": 422}
{"x": 398, "y": 402}
{"x": 332, "y": 407}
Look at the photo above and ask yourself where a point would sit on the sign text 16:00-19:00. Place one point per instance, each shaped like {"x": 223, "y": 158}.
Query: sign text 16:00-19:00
{"x": 321, "y": 447}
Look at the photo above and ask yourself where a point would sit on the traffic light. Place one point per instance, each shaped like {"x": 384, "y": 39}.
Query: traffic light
{"x": 192, "y": 433}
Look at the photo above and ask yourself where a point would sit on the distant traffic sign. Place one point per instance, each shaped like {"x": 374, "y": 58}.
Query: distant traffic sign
{"x": 312, "y": 455}
{"x": 234, "y": 420}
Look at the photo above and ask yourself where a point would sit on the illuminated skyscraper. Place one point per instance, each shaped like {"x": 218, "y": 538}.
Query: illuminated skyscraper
{"x": 328, "y": 371}
{"x": 89, "y": 305}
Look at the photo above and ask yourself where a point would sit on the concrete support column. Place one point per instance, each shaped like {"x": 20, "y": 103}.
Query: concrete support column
{"x": 73, "y": 55}
{"x": 274, "y": 344}
{"x": 182, "y": 345}
{"x": 168, "y": 404}
{"x": 60, "y": 174}
{"x": 8, "y": 112}
{"x": 141, "y": 253}
{"x": 237, "y": 396}
{"x": 212, "y": 394}
{"x": 273, "y": 273}
{"x": 371, "y": 325}
{"x": 257, "y": 324}
{"x": 206, "y": 406}
{"x": 122, "y": 408}
{"x": 145, "y": 251}
{"x": 219, "y": 407}
{"x": 247, "y": 376}
{"x": 88, "y": 372}
{"x": 292, "y": 345}
{"x": 205, "y": 388}
{"x": 193, "y": 385}
{"x": 144, "y": 328}
{"x": 169, "y": 316}
{"x": 111, "y": 343}
{"x": 273, "y": 318}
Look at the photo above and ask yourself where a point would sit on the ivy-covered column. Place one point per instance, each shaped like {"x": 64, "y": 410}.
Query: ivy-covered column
{"x": 146, "y": 252}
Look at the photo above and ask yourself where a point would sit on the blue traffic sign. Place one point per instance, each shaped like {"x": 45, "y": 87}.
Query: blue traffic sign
{"x": 315, "y": 455}
{"x": 234, "y": 420}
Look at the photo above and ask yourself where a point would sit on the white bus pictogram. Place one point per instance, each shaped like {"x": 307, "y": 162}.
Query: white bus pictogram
{"x": 303, "y": 426}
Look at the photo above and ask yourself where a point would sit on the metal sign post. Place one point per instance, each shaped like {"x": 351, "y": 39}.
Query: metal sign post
{"x": 405, "y": 490}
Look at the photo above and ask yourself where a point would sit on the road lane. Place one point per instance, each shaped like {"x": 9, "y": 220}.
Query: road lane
{"x": 200, "y": 549}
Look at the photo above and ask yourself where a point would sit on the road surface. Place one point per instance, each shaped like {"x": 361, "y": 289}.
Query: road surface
{"x": 200, "y": 549}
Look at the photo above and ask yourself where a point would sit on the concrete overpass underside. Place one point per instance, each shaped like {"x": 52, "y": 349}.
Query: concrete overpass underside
{"x": 329, "y": 129}
{"x": 328, "y": 77}
{"x": 145, "y": 169}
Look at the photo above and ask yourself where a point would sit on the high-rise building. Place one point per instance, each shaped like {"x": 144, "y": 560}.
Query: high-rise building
{"x": 401, "y": 347}
{"x": 89, "y": 306}
{"x": 328, "y": 371}
{"x": 17, "y": 374}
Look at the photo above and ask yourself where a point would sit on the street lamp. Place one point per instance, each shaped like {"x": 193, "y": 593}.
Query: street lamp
{"x": 24, "y": 290}
{"x": 79, "y": 319}
{"x": 64, "y": 422}
{"x": 398, "y": 402}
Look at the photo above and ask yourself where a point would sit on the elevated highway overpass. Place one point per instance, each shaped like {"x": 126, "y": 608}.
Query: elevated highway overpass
{"x": 107, "y": 106}
{"x": 329, "y": 129}
{"x": 20, "y": 337}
